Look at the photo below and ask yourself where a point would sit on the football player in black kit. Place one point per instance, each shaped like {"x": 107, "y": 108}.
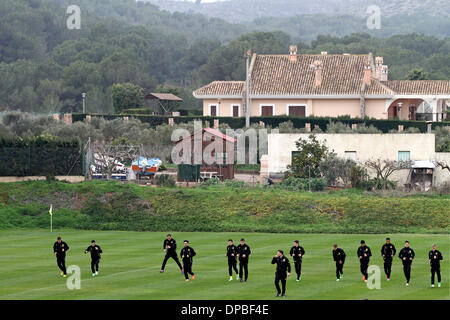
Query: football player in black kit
{"x": 297, "y": 252}
{"x": 282, "y": 272}
{"x": 170, "y": 248}
{"x": 232, "y": 260}
{"x": 96, "y": 252}
{"x": 364, "y": 254}
{"x": 243, "y": 252}
{"x": 388, "y": 252}
{"x": 407, "y": 255}
{"x": 59, "y": 249}
{"x": 187, "y": 253}
{"x": 435, "y": 257}
{"x": 339, "y": 260}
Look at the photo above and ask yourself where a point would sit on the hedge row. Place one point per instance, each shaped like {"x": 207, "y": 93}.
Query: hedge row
{"x": 236, "y": 123}
{"x": 40, "y": 157}
{"x": 149, "y": 111}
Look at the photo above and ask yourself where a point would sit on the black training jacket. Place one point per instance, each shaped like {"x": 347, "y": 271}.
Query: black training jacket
{"x": 364, "y": 250}
{"x": 296, "y": 251}
{"x": 173, "y": 246}
{"x": 243, "y": 249}
{"x": 339, "y": 255}
{"x": 95, "y": 252}
{"x": 435, "y": 258}
{"x": 407, "y": 253}
{"x": 230, "y": 251}
{"x": 283, "y": 265}
{"x": 187, "y": 253}
{"x": 57, "y": 247}
{"x": 388, "y": 251}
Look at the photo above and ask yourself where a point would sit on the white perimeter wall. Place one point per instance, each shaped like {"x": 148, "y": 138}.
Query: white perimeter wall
{"x": 367, "y": 146}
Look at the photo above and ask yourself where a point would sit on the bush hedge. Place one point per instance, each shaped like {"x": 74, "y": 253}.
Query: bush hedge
{"x": 40, "y": 156}
{"x": 234, "y": 122}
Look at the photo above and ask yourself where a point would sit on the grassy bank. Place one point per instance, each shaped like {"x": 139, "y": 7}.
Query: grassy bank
{"x": 115, "y": 206}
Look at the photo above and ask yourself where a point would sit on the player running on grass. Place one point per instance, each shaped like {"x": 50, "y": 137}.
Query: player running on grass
{"x": 187, "y": 253}
{"x": 59, "y": 249}
{"x": 364, "y": 254}
{"x": 232, "y": 261}
{"x": 297, "y": 252}
{"x": 96, "y": 252}
{"x": 339, "y": 260}
{"x": 170, "y": 248}
{"x": 388, "y": 252}
{"x": 407, "y": 255}
{"x": 243, "y": 254}
{"x": 435, "y": 257}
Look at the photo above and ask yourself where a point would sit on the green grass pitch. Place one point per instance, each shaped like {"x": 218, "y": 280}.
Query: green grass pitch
{"x": 131, "y": 261}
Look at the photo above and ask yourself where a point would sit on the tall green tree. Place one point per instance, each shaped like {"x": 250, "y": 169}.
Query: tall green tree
{"x": 126, "y": 96}
{"x": 306, "y": 161}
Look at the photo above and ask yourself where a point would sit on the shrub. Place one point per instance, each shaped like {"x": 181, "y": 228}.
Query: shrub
{"x": 358, "y": 176}
{"x": 236, "y": 184}
{"x": 371, "y": 185}
{"x": 165, "y": 180}
{"x": 334, "y": 169}
{"x": 301, "y": 184}
{"x": 210, "y": 182}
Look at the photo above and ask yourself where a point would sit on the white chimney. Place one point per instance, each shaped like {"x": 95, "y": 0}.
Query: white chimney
{"x": 317, "y": 73}
{"x": 378, "y": 67}
{"x": 384, "y": 73}
{"x": 367, "y": 74}
{"x": 324, "y": 53}
{"x": 293, "y": 53}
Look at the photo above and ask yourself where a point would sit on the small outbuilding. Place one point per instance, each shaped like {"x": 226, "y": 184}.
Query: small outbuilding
{"x": 163, "y": 102}
{"x": 217, "y": 155}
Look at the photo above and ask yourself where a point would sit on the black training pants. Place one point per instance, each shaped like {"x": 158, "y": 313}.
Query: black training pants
{"x": 363, "y": 266}
{"x": 187, "y": 267}
{"x": 61, "y": 261}
{"x": 388, "y": 266}
{"x": 232, "y": 265}
{"x": 243, "y": 268}
{"x": 94, "y": 264}
{"x": 435, "y": 270}
{"x": 280, "y": 277}
{"x": 407, "y": 270}
{"x": 174, "y": 257}
{"x": 339, "y": 269}
{"x": 298, "y": 268}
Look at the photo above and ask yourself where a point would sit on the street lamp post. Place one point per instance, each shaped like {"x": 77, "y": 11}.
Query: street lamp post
{"x": 83, "y": 95}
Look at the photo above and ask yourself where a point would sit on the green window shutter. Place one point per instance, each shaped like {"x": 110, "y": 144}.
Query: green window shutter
{"x": 404, "y": 156}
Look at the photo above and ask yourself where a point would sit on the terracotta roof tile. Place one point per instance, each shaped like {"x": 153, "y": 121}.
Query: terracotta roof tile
{"x": 341, "y": 75}
{"x": 276, "y": 74}
{"x": 221, "y": 88}
{"x": 426, "y": 87}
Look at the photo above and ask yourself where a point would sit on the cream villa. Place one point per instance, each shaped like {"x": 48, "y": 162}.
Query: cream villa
{"x": 325, "y": 85}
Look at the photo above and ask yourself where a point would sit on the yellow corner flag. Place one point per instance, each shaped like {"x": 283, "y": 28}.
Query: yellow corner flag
{"x": 50, "y": 211}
